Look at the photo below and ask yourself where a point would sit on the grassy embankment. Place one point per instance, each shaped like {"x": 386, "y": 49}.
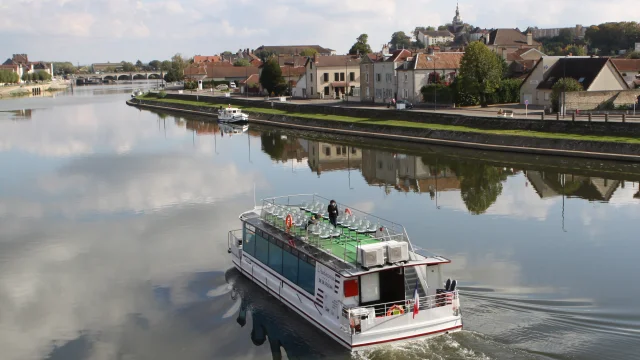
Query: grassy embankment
{"x": 409, "y": 124}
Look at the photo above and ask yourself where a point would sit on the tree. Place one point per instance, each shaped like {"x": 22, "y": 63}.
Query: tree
{"x": 8, "y": 77}
{"x": 264, "y": 55}
{"x": 400, "y": 40}
{"x": 563, "y": 85}
{"x": 165, "y": 65}
{"x": 155, "y": 65}
{"x": 565, "y": 36}
{"x": 139, "y": 64}
{"x": 242, "y": 62}
{"x": 128, "y": 67}
{"x": 633, "y": 55}
{"x": 227, "y": 53}
{"x": 271, "y": 75}
{"x": 64, "y": 68}
{"x": 422, "y": 29}
{"x": 417, "y": 44}
{"x": 480, "y": 71}
{"x": 361, "y": 47}
{"x": 504, "y": 67}
{"x": 609, "y": 38}
{"x": 442, "y": 28}
{"x": 26, "y": 77}
{"x": 308, "y": 52}
{"x": 576, "y": 50}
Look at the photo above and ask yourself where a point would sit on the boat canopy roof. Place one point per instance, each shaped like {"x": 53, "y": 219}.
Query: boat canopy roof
{"x": 340, "y": 253}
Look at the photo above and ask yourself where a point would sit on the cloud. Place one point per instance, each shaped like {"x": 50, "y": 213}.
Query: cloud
{"x": 148, "y": 29}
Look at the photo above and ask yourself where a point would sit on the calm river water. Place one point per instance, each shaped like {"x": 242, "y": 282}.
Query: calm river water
{"x": 113, "y": 225}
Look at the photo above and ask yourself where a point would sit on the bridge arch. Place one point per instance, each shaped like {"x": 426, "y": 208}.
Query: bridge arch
{"x": 154, "y": 76}
{"x": 139, "y": 77}
{"x": 124, "y": 77}
{"x": 109, "y": 77}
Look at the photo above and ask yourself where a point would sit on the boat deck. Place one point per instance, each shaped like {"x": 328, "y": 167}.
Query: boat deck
{"x": 339, "y": 252}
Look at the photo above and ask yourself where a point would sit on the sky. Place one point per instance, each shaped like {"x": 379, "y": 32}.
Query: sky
{"x": 88, "y": 31}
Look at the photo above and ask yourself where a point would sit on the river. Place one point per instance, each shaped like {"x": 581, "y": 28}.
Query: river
{"x": 113, "y": 233}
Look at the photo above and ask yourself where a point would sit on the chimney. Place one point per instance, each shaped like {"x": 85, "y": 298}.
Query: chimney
{"x": 431, "y": 50}
{"x": 529, "y": 38}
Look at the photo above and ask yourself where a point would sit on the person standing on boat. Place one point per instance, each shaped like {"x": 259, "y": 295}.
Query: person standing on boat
{"x": 333, "y": 213}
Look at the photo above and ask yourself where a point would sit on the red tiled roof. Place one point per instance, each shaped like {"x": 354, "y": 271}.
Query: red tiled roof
{"x": 443, "y": 60}
{"x": 201, "y": 59}
{"x": 399, "y": 55}
{"x": 230, "y": 71}
{"x": 509, "y": 37}
{"x": 336, "y": 60}
{"x": 632, "y": 65}
{"x": 293, "y": 71}
{"x": 252, "y": 79}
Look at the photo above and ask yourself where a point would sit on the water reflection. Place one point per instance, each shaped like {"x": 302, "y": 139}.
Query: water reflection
{"x": 22, "y": 114}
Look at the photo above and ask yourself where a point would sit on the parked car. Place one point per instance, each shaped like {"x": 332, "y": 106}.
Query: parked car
{"x": 232, "y": 85}
{"x": 406, "y": 103}
{"x": 222, "y": 87}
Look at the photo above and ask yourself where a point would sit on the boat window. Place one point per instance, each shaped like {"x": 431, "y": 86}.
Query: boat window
{"x": 249, "y": 237}
{"x": 262, "y": 249}
{"x": 275, "y": 255}
{"x": 290, "y": 264}
{"x": 307, "y": 275}
{"x": 370, "y": 287}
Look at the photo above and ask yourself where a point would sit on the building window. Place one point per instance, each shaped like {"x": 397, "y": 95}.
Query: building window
{"x": 366, "y": 76}
{"x": 406, "y": 93}
{"x": 406, "y": 77}
{"x": 327, "y": 151}
{"x": 336, "y": 77}
{"x": 311, "y": 78}
{"x": 352, "y": 76}
{"x": 338, "y": 150}
{"x": 341, "y": 76}
{"x": 378, "y": 93}
{"x": 326, "y": 90}
{"x": 344, "y": 150}
{"x": 546, "y": 96}
{"x": 367, "y": 92}
{"x": 354, "y": 150}
{"x": 378, "y": 77}
{"x": 326, "y": 77}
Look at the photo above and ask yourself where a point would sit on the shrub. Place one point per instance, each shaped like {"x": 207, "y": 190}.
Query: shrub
{"x": 564, "y": 84}
{"x": 441, "y": 93}
{"x": 162, "y": 94}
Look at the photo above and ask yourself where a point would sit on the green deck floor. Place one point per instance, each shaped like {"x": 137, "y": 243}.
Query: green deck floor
{"x": 343, "y": 246}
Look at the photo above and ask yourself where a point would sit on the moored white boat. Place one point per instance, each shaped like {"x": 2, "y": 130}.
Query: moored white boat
{"x": 362, "y": 282}
{"x": 232, "y": 115}
{"x": 137, "y": 92}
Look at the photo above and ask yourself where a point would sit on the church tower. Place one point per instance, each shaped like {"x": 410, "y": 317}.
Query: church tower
{"x": 457, "y": 26}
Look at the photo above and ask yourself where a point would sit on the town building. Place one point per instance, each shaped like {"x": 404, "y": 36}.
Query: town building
{"x": 20, "y": 64}
{"x": 217, "y": 72}
{"x": 578, "y": 32}
{"x": 594, "y": 73}
{"x": 630, "y": 70}
{"x": 431, "y": 38}
{"x": 378, "y": 79}
{"x": 197, "y": 59}
{"x": 457, "y": 27}
{"x": 506, "y": 41}
{"x": 329, "y": 77}
{"x": 295, "y": 49}
{"x": 522, "y": 61}
{"x": 424, "y": 69}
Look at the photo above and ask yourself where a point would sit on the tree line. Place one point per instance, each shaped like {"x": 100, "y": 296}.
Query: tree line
{"x": 40, "y": 75}
{"x": 8, "y": 77}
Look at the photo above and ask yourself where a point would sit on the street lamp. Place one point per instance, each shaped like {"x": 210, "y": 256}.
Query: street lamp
{"x": 564, "y": 85}
{"x": 290, "y": 64}
{"x": 435, "y": 86}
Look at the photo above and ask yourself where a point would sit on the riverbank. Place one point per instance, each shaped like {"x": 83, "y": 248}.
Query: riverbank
{"x": 626, "y": 148}
{"x": 23, "y": 90}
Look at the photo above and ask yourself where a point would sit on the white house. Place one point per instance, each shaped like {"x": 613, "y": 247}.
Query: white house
{"x": 430, "y": 38}
{"x": 300, "y": 90}
{"x": 423, "y": 69}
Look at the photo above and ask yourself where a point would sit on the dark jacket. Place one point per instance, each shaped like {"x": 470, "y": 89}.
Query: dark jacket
{"x": 333, "y": 210}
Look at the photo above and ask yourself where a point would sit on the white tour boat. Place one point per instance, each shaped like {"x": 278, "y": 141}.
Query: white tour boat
{"x": 362, "y": 283}
{"x": 232, "y": 115}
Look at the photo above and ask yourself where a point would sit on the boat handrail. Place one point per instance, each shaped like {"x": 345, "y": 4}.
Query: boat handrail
{"x": 382, "y": 310}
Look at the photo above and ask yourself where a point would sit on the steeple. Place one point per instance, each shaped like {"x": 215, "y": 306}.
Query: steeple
{"x": 457, "y": 10}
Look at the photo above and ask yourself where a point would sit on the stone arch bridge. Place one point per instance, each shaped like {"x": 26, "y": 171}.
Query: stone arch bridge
{"x": 136, "y": 75}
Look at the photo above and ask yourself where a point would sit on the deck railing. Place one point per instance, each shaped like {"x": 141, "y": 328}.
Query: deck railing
{"x": 353, "y": 317}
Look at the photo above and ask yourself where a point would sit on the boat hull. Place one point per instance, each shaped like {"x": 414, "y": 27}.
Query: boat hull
{"x": 398, "y": 328}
